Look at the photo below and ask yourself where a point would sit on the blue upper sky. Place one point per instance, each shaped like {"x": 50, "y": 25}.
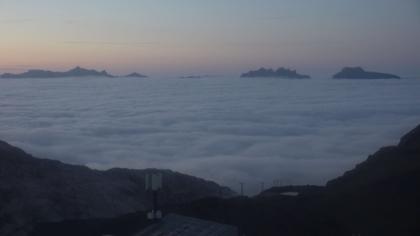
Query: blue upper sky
{"x": 210, "y": 37}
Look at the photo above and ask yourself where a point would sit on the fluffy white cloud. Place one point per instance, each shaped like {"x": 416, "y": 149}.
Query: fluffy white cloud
{"x": 225, "y": 129}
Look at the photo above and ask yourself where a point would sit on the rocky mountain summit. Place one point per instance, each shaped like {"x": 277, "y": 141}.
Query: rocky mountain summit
{"x": 135, "y": 75}
{"x": 360, "y": 73}
{"x": 75, "y": 72}
{"x": 279, "y": 73}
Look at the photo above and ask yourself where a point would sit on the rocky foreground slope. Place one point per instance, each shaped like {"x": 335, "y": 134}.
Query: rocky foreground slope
{"x": 36, "y": 190}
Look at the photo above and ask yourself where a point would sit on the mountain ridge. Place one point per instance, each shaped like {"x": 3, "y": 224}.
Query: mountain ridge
{"x": 360, "y": 73}
{"x": 34, "y": 190}
{"x": 135, "y": 75}
{"x": 281, "y": 72}
{"x": 74, "y": 72}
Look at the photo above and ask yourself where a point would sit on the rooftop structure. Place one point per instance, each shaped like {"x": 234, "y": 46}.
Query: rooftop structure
{"x": 178, "y": 225}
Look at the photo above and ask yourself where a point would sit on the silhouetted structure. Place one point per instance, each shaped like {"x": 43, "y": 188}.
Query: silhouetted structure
{"x": 179, "y": 225}
{"x": 153, "y": 185}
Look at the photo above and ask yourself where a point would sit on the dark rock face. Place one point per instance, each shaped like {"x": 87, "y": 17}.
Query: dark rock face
{"x": 35, "y": 190}
{"x": 388, "y": 162}
{"x": 411, "y": 140}
{"x": 80, "y": 72}
{"x": 31, "y": 74}
{"x": 279, "y": 73}
{"x": 75, "y": 72}
{"x": 136, "y": 75}
{"x": 359, "y": 73}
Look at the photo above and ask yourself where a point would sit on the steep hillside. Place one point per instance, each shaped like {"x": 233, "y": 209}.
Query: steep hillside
{"x": 34, "y": 190}
{"x": 389, "y": 162}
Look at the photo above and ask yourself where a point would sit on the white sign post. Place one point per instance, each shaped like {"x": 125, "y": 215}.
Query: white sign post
{"x": 154, "y": 184}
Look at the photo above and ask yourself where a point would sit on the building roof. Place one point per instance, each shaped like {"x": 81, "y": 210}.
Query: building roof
{"x": 177, "y": 225}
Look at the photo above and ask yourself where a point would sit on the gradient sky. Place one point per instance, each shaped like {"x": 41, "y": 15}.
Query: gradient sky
{"x": 183, "y": 37}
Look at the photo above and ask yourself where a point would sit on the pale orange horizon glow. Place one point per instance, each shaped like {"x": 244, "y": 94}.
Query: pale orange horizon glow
{"x": 196, "y": 37}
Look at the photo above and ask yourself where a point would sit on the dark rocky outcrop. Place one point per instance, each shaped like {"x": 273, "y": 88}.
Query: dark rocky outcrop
{"x": 387, "y": 163}
{"x": 411, "y": 141}
{"x": 34, "y": 190}
{"x": 360, "y": 73}
{"x": 279, "y": 73}
{"x": 135, "y": 75}
{"x": 75, "y": 72}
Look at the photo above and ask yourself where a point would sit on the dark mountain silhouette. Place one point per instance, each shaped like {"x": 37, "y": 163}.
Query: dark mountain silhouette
{"x": 378, "y": 197}
{"x": 135, "y": 75}
{"x": 34, "y": 190}
{"x": 75, "y": 72}
{"x": 279, "y": 73}
{"x": 360, "y": 73}
{"x": 387, "y": 163}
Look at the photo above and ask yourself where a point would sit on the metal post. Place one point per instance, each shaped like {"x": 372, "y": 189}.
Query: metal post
{"x": 155, "y": 201}
{"x": 154, "y": 184}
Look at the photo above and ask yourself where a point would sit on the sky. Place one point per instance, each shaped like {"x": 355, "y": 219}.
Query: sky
{"x": 218, "y": 37}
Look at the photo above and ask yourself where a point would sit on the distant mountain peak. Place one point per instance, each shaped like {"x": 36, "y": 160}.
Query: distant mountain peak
{"x": 136, "y": 75}
{"x": 281, "y": 72}
{"x": 359, "y": 73}
{"x": 75, "y": 72}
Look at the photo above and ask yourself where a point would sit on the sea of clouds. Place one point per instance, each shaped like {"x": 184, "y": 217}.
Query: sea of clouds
{"x": 229, "y": 130}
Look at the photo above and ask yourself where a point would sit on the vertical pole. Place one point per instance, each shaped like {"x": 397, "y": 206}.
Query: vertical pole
{"x": 240, "y": 223}
{"x": 155, "y": 202}
{"x": 153, "y": 185}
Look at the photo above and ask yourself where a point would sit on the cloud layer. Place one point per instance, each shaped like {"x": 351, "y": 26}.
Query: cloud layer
{"x": 225, "y": 129}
